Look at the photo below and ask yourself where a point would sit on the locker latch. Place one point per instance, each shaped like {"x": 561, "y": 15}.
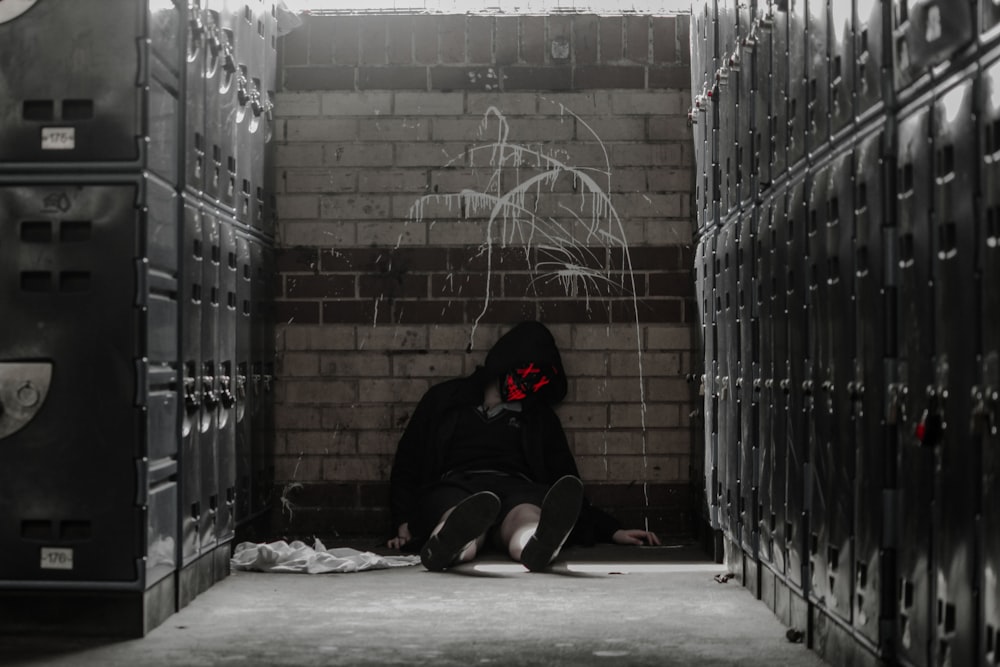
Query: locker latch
{"x": 225, "y": 392}
{"x": 23, "y": 389}
{"x": 931, "y": 426}
{"x": 897, "y": 403}
{"x": 209, "y": 395}
{"x": 192, "y": 399}
{"x": 984, "y": 404}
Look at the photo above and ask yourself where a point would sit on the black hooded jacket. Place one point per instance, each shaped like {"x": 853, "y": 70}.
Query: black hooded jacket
{"x": 420, "y": 455}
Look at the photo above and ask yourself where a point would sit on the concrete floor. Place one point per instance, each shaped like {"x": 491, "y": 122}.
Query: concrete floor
{"x": 604, "y": 605}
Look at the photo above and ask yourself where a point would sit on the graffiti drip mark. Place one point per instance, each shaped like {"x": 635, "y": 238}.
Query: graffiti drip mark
{"x": 571, "y": 245}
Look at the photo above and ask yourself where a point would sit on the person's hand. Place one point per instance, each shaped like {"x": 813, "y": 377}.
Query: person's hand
{"x": 402, "y": 537}
{"x": 635, "y": 536}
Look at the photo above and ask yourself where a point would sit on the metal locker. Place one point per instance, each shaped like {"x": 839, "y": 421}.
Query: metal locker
{"x": 746, "y": 378}
{"x": 226, "y": 373}
{"x": 759, "y": 44}
{"x": 831, "y": 332}
{"x": 114, "y": 104}
{"x": 763, "y": 385}
{"x": 796, "y": 385}
{"x": 989, "y": 17}
{"x": 777, "y": 22}
{"x": 908, "y": 399}
{"x": 726, "y": 294}
{"x": 742, "y": 83}
{"x": 987, "y": 392}
{"x": 208, "y": 425}
{"x": 195, "y": 155}
{"x": 703, "y": 52}
{"x": 251, "y": 114}
{"x": 261, "y": 376}
{"x": 244, "y": 432}
{"x": 874, "y": 310}
{"x": 779, "y": 518}
{"x": 953, "y": 242}
{"x": 265, "y": 322}
{"x": 869, "y": 55}
{"x": 818, "y": 76}
{"x": 705, "y": 267}
{"x": 87, "y": 383}
{"x": 192, "y": 293}
{"x": 724, "y": 100}
{"x": 797, "y": 115}
{"x": 265, "y": 195}
{"x": 926, "y": 33}
{"x": 221, "y": 103}
{"x": 842, "y": 66}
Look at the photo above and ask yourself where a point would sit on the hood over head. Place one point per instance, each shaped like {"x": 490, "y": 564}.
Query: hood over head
{"x": 527, "y": 362}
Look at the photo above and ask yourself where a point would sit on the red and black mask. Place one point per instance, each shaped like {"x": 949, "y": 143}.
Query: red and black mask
{"x": 525, "y": 381}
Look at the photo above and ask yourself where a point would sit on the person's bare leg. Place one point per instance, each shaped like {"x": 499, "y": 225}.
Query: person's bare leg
{"x": 518, "y": 527}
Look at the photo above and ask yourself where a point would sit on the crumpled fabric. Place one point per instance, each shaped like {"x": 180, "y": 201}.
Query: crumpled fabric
{"x": 297, "y": 557}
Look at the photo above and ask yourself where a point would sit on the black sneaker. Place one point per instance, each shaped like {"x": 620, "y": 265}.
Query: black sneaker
{"x": 559, "y": 512}
{"x": 471, "y": 518}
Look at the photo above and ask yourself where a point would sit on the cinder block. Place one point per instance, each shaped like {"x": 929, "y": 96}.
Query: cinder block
{"x": 600, "y": 443}
{"x": 662, "y": 102}
{"x": 627, "y": 180}
{"x": 590, "y": 103}
{"x": 585, "y": 39}
{"x": 448, "y": 78}
{"x": 356, "y": 468}
{"x": 297, "y": 469}
{"x": 391, "y": 233}
{"x": 461, "y": 338}
{"x": 354, "y": 417}
{"x": 604, "y": 337}
{"x": 374, "y": 40}
{"x": 604, "y": 390}
{"x": 672, "y": 180}
{"x": 506, "y": 50}
{"x": 354, "y": 207}
{"x": 584, "y": 366}
{"x": 346, "y": 39}
{"x": 653, "y": 363}
{"x": 348, "y": 364}
{"x": 533, "y": 43}
{"x": 429, "y": 104}
{"x": 393, "y": 77}
{"x": 510, "y": 104}
{"x": 479, "y": 31}
{"x": 443, "y": 206}
{"x": 383, "y": 443}
{"x": 400, "y": 33}
{"x": 612, "y": 41}
{"x": 358, "y": 155}
{"x": 326, "y": 442}
{"x": 438, "y": 154}
{"x": 670, "y": 390}
{"x": 392, "y": 338}
{"x": 524, "y": 77}
{"x": 298, "y": 206}
{"x": 576, "y": 416}
{"x": 676, "y": 78}
{"x": 432, "y": 365}
{"x": 318, "y": 234}
{"x": 392, "y": 391}
{"x": 609, "y": 76}
{"x": 653, "y": 205}
{"x": 665, "y": 39}
{"x": 290, "y": 105}
{"x": 464, "y": 128}
{"x": 393, "y": 129}
{"x": 298, "y": 364}
{"x": 425, "y": 39}
{"x": 668, "y": 442}
{"x": 637, "y": 35}
{"x": 667, "y": 232}
{"x": 298, "y": 155}
{"x": 316, "y": 338}
{"x": 321, "y": 129}
{"x": 320, "y": 392}
{"x": 541, "y": 129}
{"x": 452, "y": 39}
{"x": 657, "y": 415}
{"x": 320, "y": 180}
{"x": 395, "y": 180}
{"x": 611, "y": 129}
{"x": 644, "y": 468}
{"x": 647, "y": 155}
{"x": 319, "y": 78}
{"x": 357, "y": 103}
{"x": 592, "y": 468}
{"x": 291, "y": 417}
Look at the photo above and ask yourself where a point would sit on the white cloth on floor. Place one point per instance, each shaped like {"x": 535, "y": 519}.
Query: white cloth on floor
{"x": 281, "y": 556}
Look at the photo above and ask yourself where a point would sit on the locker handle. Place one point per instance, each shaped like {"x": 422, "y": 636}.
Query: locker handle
{"x": 226, "y": 396}
{"x": 209, "y": 396}
{"x": 192, "y": 399}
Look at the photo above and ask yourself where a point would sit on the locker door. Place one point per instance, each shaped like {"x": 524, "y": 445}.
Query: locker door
{"x": 746, "y": 380}
{"x": 926, "y": 33}
{"x": 834, "y": 447}
{"x": 244, "y": 433}
{"x": 780, "y": 82}
{"x": 760, "y": 55}
{"x": 842, "y": 66}
{"x": 797, "y": 114}
{"x": 728, "y": 367}
{"x": 779, "y": 519}
{"x": 915, "y": 330}
{"x": 985, "y": 411}
{"x": 873, "y": 308}
{"x": 869, "y": 55}
{"x": 764, "y": 381}
{"x": 989, "y": 15}
{"x": 798, "y": 373}
{"x": 725, "y": 100}
{"x": 818, "y": 76}
{"x": 953, "y": 244}
{"x": 226, "y": 379}
{"x": 221, "y": 103}
{"x": 194, "y": 101}
{"x": 704, "y": 265}
{"x": 115, "y": 101}
{"x": 741, "y": 65}
{"x": 192, "y": 295}
{"x": 208, "y": 436}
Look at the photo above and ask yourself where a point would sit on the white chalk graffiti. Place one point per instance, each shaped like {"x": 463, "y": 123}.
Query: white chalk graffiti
{"x": 573, "y": 246}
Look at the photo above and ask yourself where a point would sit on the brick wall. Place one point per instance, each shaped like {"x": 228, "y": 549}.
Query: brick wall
{"x": 440, "y": 178}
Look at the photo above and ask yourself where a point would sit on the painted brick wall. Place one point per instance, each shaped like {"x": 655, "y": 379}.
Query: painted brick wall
{"x": 440, "y": 178}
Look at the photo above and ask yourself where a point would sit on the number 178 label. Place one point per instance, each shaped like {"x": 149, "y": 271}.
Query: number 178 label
{"x": 57, "y": 559}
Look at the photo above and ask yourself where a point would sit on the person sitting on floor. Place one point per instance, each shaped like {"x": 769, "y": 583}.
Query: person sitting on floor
{"x": 486, "y": 456}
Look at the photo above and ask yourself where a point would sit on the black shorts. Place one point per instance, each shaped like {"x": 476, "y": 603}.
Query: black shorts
{"x": 441, "y": 496}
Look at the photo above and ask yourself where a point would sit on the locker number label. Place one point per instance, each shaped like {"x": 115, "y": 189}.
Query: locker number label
{"x": 58, "y": 138}
{"x": 57, "y": 559}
